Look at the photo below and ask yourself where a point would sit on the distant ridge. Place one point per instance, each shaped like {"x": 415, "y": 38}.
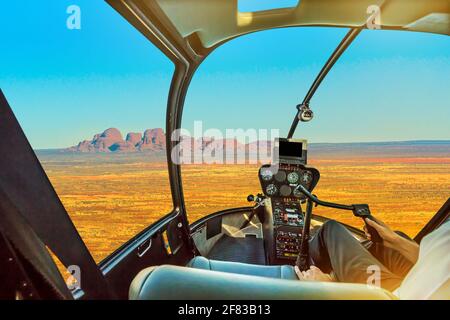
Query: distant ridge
{"x": 399, "y": 142}
{"x": 154, "y": 141}
{"x": 413, "y": 148}
{"x": 111, "y": 140}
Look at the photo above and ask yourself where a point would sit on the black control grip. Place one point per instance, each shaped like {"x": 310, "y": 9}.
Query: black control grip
{"x": 374, "y": 235}
{"x": 363, "y": 211}
{"x": 302, "y": 262}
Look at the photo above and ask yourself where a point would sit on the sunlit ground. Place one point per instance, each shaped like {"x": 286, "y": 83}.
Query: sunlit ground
{"x": 111, "y": 201}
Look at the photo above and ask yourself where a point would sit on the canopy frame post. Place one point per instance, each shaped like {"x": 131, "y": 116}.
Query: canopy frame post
{"x": 340, "y": 49}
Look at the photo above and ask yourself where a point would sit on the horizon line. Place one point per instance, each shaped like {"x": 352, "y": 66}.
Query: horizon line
{"x": 319, "y": 143}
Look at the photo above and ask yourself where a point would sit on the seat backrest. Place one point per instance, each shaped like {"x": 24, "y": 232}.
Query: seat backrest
{"x": 182, "y": 283}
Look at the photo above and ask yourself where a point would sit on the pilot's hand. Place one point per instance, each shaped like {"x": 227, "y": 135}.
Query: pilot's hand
{"x": 312, "y": 274}
{"x": 390, "y": 238}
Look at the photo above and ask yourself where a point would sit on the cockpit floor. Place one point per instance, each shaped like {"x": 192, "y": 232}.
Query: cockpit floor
{"x": 246, "y": 250}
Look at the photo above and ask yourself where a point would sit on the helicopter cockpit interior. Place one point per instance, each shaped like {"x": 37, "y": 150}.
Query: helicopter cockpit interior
{"x": 238, "y": 253}
{"x": 281, "y": 214}
{"x": 266, "y": 241}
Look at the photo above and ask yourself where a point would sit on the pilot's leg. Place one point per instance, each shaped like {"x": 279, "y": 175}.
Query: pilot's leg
{"x": 333, "y": 248}
{"x": 392, "y": 259}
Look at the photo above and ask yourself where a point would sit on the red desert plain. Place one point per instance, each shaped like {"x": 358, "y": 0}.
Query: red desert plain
{"x": 111, "y": 197}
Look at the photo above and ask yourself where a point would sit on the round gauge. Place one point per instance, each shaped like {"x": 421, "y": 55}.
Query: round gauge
{"x": 297, "y": 193}
{"x": 266, "y": 174}
{"x": 306, "y": 177}
{"x": 285, "y": 190}
{"x": 292, "y": 177}
{"x": 271, "y": 189}
{"x": 280, "y": 175}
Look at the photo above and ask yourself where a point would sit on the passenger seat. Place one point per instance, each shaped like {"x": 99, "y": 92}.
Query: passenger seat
{"x": 181, "y": 283}
{"x": 280, "y": 272}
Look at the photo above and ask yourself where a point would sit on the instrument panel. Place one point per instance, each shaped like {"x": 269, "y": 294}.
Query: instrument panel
{"x": 279, "y": 184}
{"x": 280, "y": 181}
{"x": 288, "y": 221}
{"x": 287, "y": 213}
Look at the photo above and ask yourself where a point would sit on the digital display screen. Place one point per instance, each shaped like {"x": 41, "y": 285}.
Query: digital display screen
{"x": 290, "y": 149}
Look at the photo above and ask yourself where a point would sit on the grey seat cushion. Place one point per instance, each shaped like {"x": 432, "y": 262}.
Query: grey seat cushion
{"x": 181, "y": 283}
{"x": 281, "y": 272}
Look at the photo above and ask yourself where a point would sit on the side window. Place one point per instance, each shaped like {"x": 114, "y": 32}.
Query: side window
{"x": 91, "y": 101}
{"x": 389, "y": 154}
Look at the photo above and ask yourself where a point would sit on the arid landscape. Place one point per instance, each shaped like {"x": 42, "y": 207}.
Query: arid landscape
{"x": 111, "y": 197}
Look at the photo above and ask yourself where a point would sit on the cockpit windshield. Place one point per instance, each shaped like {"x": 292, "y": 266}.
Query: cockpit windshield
{"x": 370, "y": 136}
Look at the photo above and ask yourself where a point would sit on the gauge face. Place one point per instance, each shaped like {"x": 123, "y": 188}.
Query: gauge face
{"x": 292, "y": 177}
{"x": 280, "y": 176}
{"x": 297, "y": 193}
{"x": 271, "y": 189}
{"x": 266, "y": 174}
{"x": 285, "y": 190}
{"x": 306, "y": 177}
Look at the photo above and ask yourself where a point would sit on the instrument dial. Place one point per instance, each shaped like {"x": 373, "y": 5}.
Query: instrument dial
{"x": 297, "y": 193}
{"x": 266, "y": 174}
{"x": 285, "y": 190}
{"x": 306, "y": 178}
{"x": 271, "y": 189}
{"x": 293, "y": 177}
{"x": 280, "y": 176}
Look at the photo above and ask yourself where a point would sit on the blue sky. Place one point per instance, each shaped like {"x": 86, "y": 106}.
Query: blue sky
{"x": 66, "y": 85}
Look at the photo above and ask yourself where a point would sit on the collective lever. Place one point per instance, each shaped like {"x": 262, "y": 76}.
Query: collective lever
{"x": 359, "y": 210}
{"x": 258, "y": 199}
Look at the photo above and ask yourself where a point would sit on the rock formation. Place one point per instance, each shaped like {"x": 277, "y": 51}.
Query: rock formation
{"x": 111, "y": 140}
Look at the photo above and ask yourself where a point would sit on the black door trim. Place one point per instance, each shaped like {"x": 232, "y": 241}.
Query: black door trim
{"x": 439, "y": 218}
